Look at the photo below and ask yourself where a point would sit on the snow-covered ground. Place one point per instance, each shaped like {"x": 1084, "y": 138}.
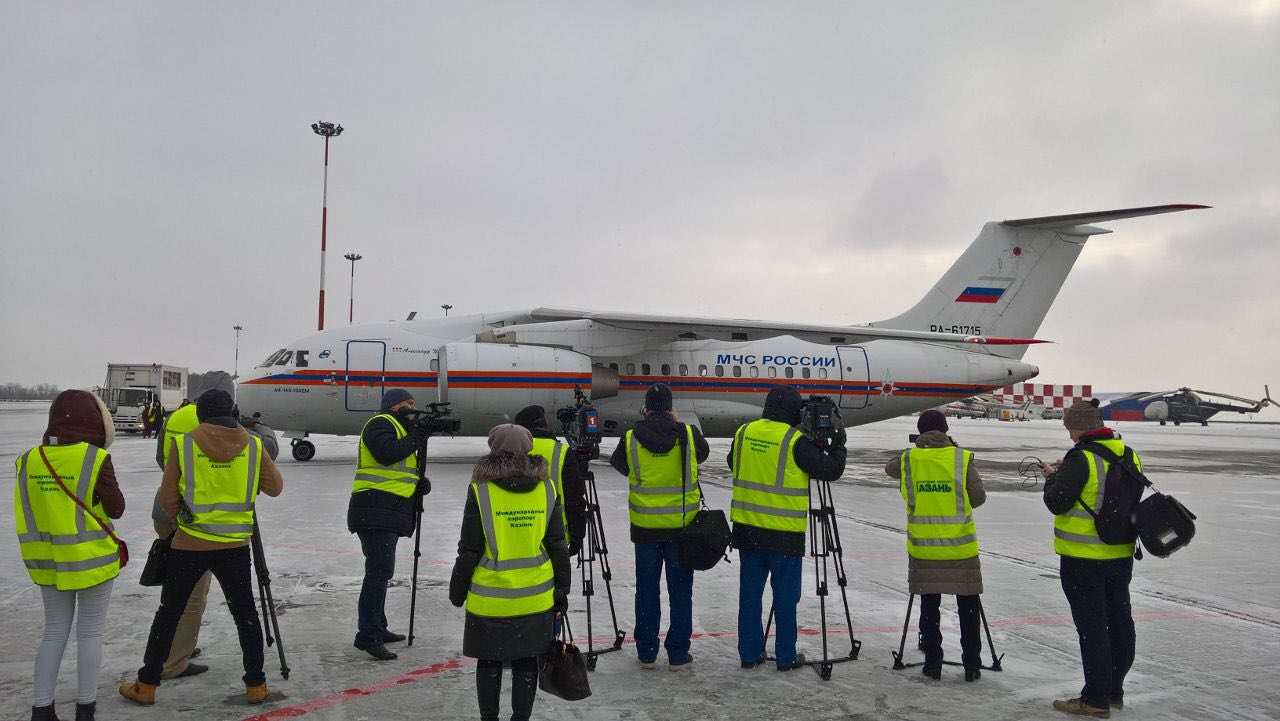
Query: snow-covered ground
{"x": 1208, "y": 618}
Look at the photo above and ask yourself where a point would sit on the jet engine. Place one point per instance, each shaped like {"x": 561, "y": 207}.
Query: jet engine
{"x": 1156, "y": 411}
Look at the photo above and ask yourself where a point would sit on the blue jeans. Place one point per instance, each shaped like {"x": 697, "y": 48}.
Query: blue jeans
{"x": 650, "y": 558}
{"x": 1098, "y": 592}
{"x": 379, "y": 565}
{"x": 754, "y": 568}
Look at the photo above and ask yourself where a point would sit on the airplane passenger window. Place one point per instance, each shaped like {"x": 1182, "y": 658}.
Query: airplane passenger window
{"x": 644, "y": 369}
{"x": 773, "y": 372}
{"x": 737, "y": 371}
{"x": 822, "y": 372}
{"x": 631, "y": 369}
{"x": 435, "y": 364}
{"x": 804, "y": 372}
{"x": 719, "y": 371}
{"x": 285, "y": 358}
{"x": 613, "y": 366}
{"x": 684, "y": 369}
{"x": 755, "y": 372}
{"x": 702, "y": 371}
{"x": 791, "y": 372}
{"x": 666, "y": 369}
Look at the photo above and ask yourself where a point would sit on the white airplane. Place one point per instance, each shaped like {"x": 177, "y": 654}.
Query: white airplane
{"x": 965, "y": 337}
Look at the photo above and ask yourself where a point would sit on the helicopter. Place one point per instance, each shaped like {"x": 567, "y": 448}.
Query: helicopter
{"x": 1181, "y": 405}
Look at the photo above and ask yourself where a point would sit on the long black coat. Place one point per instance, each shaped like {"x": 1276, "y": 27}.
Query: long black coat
{"x": 516, "y": 637}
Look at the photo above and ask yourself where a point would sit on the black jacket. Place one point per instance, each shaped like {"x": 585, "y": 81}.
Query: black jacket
{"x": 1063, "y": 487}
{"x": 574, "y": 482}
{"x": 822, "y": 465}
{"x": 657, "y": 434}
{"x": 375, "y": 510}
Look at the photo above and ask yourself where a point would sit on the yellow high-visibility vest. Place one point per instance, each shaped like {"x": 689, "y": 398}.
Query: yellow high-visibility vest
{"x": 514, "y": 577}
{"x": 939, "y": 515}
{"x": 400, "y": 479}
{"x": 218, "y": 497}
{"x": 769, "y": 489}
{"x": 555, "y": 454}
{"x": 183, "y": 420}
{"x": 662, "y": 488}
{"x": 61, "y": 545}
{"x": 1075, "y": 533}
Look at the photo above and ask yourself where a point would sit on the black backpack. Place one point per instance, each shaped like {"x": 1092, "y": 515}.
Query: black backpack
{"x": 1162, "y": 523}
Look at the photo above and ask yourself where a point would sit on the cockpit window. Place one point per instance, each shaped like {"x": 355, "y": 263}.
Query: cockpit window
{"x": 300, "y": 358}
{"x": 271, "y": 359}
{"x": 285, "y": 357}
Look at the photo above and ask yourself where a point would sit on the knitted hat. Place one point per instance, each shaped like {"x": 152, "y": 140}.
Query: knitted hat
{"x": 932, "y": 420}
{"x": 509, "y": 438}
{"x": 531, "y": 417}
{"x": 1083, "y": 416}
{"x": 214, "y": 404}
{"x": 658, "y": 398}
{"x": 394, "y": 396}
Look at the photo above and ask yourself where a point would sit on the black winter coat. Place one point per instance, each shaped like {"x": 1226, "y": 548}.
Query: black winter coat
{"x": 375, "y": 510}
{"x": 657, "y": 434}
{"x": 516, "y": 637}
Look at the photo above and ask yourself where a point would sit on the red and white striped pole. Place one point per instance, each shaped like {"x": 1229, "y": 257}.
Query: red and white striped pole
{"x": 327, "y": 130}
{"x": 351, "y": 293}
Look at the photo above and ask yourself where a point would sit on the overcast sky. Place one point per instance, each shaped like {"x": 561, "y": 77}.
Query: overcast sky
{"x": 817, "y": 161}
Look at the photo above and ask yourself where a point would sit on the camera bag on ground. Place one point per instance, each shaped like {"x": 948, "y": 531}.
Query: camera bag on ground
{"x": 706, "y": 539}
{"x": 1162, "y": 523}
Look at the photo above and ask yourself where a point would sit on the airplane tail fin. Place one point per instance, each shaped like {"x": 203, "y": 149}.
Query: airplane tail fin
{"x": 1005, "y": 282}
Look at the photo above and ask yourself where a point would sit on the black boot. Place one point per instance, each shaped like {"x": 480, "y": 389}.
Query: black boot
{"x": 524, "y": 688}
{"x": 85, "y": 711}
{"x": 489, "y": 689}
{"x": 43, "y": 713}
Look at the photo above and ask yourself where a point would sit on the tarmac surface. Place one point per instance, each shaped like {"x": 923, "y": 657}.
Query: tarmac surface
{"x": 1208, "y": 617}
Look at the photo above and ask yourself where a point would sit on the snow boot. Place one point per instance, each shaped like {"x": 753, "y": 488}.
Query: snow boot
{"x": 972, "y": 674}
{"x": 1078, "y": 707}
{"x": 688, "y": 663}
{"x": 257, "y": 694}
{"x": 85, "y": 711}
{"x": 524, "y": 689}
{"x": 143, "y": 694}
{"x": 489, "y": 690}
{"x": 44, "y": 713}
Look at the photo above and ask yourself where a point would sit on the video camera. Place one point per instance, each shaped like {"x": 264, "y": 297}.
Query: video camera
{"x": 581, "y": 423}
{"x": 434, "y": 419}
{"x": 820, "y": 420}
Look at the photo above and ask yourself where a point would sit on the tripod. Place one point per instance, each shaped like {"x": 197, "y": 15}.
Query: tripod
{"x": 595, "y": 549}
{"x": 824, "y": 543}
{"x": 269, "y": 620}
{"x": 898, "y": 665}
{"x": 423, "y": 488}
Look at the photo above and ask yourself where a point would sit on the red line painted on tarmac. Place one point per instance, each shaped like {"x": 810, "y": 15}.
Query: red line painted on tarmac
{"x": 356, "y": 692}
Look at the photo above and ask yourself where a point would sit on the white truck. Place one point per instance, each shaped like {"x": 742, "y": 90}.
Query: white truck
{"x": 131, "y": 387}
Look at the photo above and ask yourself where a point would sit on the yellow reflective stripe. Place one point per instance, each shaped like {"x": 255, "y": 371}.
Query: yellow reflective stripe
{"x": 486, "y": 517}
{"x": 222, "y": 528}
{"x": 514, "y": 564}
{"x": 633, "y": 448}
{"x": 497, "y": 592}
{"x": 210, "y": 507}
{"x": 658, "y": 510}
{"x": 737, "y": 449}
{"x": 784, "y": 456}
{"x": 769, "y": 510}
{"x": 1080, "y": 538}
{"x": 956, "y": 541}
{"x": 62, "y": 539}
{"x": 767, "y": 488}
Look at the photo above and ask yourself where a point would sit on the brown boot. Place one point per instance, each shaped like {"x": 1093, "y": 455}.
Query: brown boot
{"x": 143, "y": 694}
{"x": 1078, "y": 707}
{"x": 257, "y": 694}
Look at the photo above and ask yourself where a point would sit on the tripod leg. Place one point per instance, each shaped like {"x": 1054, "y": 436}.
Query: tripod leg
{"x": 995, "y": 660}
{"x": 270, "y": 622}
{"x": 417, "y": 553}
{"x": 602, "y": 554}
{"x": 586, "y": 562}
{"x": 902, "y": 645}
{"x": 767, "y": 625}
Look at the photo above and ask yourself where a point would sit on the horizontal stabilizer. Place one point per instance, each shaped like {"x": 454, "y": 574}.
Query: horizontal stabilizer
{"x": 1066, "y": 221}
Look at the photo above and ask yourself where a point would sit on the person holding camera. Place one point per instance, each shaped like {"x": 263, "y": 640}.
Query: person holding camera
{"x": 941, "y": 487}
{"x": 772, "y": 462}
{"x": 564, "y": 472}
{"x": 512, "y": 571}
{"x": 660, "y": 457}
{"x": 1095, "y": 575}
{"x": 383, "y": 509}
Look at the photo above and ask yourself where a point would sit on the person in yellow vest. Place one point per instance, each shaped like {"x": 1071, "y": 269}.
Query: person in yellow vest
{"x": 772, "y": 462}
{"x": 382, "y": 510}
{"x": 660, "y": 457}
{"x": 512, "y": 570}
{"x": 210, "y": 486}
{"x": 1095, "y": 575}
{"x": 941, "y": 486}
{"x": 565, "y": 471}
{"x": 68, "y": 554}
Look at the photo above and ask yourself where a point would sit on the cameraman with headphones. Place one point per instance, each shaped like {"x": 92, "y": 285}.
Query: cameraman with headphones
{"x": 383, "y": 509}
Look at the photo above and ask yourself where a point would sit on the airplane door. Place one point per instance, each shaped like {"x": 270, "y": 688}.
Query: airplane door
{"x": 855, "y": 376}
{"x": 366, "y": 374}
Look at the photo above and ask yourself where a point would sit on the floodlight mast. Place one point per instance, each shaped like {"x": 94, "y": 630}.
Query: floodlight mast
{"x": 327, "y": 131}
{"x": 351, "y": 293}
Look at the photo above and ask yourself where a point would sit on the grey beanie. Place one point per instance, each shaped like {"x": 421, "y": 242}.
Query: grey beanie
{"x": 510, "y": 438}
{"x": 1083, "y": 416}
{"x": 394, "y": 396}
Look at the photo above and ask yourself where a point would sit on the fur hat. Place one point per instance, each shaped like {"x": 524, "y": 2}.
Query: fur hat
{"x": 658, "y": 398}
{"x": 510, "y": 438}
{"x": 932, "y": 420}
{"x": 1083, "y": 416}
{"x": 531, "y": 417}
{"x": 394, "y": 396}
{"x": 214, "y": 404}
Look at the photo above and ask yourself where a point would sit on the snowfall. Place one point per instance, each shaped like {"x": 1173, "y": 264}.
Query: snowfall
{"x": 1208, "y": 617}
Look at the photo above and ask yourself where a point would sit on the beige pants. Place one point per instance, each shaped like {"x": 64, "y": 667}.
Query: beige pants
{"x": 188, "y": 633}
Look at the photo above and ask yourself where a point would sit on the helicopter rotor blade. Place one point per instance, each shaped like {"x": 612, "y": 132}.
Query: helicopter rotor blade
{"x": 1250, "y": 401}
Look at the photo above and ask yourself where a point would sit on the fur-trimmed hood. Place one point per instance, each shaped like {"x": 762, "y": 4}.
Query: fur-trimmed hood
{"x": 512, "y": 471}
{"x": 77, "y": 416}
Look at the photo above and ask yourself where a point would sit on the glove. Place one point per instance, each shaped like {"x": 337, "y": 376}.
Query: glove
{"x": 562, "y": 602}
{"x": 841, "y": 437}
{"x": 575, "y": 545}
{"x": 424, "y": 486}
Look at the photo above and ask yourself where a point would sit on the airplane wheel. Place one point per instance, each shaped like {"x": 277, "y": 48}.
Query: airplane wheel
{"x": 1162, "y": 423}
{"x": 1177, "y": 423}
{"x": 1204, "y": 423}
{"x": 303, "y": 450}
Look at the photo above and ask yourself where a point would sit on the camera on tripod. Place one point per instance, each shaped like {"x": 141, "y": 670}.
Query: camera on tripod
{"x": 820, "y": 420}
{"x": 435, "y": 419}
{"x": 581, "y": 424}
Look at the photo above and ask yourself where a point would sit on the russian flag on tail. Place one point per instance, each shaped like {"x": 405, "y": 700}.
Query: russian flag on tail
{"x": 980, "y": 295}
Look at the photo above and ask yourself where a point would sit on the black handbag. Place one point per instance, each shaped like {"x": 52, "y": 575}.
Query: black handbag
{"x": 706, "y": 539}
{"x": 562, "y": 672}
{"x": 154, "y": 569}
{"x": 1162, "y": 523}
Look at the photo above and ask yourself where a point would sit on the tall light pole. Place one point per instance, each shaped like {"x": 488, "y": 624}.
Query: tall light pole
{"x": 351, "y": 293}
{"x": 325, "y": 130}
{"x": 237, "y": 329}
{"x": 446, "y": 307}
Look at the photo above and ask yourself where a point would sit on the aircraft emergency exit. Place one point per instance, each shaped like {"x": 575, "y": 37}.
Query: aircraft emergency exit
{"x": 966, "y": 337}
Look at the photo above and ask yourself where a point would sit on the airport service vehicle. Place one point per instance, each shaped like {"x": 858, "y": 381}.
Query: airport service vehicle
{"x": 966, "y": 337}
{"x": 1183, "y": 405}
{"x": 130, "y": 387}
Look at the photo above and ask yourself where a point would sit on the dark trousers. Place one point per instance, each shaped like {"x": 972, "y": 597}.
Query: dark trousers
{"x": 1098, "y": 592}
{"x": 524, "y": 688}
{"x": 650, "y": 560}
{"x": 182, "y": 571}
{"x": 379, "y": 565}
{"x": 783, "y": 574}
{"x": 970, "y": 634}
